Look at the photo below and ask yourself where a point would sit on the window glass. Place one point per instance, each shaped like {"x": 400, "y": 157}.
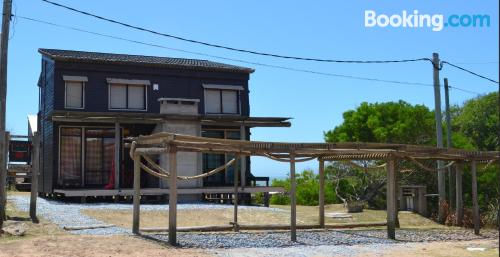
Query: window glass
{"x": 117, "y": 96}
{"x": 212, "y": 101}
{"x": 99, "y": 156}
{"x": 229, "y": 101}
{"x": 71, "y": 157}
{"x": 136, "y": 97}
{"x": 230, "y": 134}
{"x": 74, "y": 94}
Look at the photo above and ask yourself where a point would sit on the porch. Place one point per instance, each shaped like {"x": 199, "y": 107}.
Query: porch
{"x": 85, "y": 137}
{"x": 166, "y": 191}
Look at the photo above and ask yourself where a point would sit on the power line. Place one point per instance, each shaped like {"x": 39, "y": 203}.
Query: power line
{"x": 238, "y": 60}
{"x": 229, "y": 47}
{"x": 469, "y": 71}
{"x": 256, "y": 52}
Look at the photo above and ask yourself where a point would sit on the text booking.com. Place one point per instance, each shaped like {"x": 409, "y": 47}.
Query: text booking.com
{"x": 414, "y": 19}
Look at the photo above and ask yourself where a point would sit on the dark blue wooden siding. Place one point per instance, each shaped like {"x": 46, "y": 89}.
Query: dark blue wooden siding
{"x": 172, "y": 83}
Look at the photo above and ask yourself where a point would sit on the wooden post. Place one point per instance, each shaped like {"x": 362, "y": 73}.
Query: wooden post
{"x": 458, "y": 194}
{"x": 293, "y": 200}
{"x": 3, "y": 178}
{"x": 35, "y": 142}
{"x": 172, "y": 199}
{"x": 475, "y": 205}
{"x": 137, "y": 193}
{"x": 4, "y": 44}
{"x": 243, "y": 165}
{"x": 451, "y": 175}
{"x": 391, "y": 199}
{"x": 235, "y": 193}
{"x": 117, "y": 155}
{"x": 321, "y": 193}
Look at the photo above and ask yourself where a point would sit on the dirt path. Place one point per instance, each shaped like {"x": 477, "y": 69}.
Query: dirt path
{"x": 128, "y": 246}
{"x": 76, "y": 246}
{"x": 442, "y": 249}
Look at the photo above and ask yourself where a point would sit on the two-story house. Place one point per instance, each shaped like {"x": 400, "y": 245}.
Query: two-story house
{"x": 90, "y": 103}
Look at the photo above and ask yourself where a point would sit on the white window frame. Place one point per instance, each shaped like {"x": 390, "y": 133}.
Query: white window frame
{"x": 145, "y": 85}
{"x": 220, "y": 89}
{"x": 66, "y": 91}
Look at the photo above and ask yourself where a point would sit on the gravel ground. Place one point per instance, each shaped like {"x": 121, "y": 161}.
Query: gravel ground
{"x": 318, "y": 238}
{"x": 310, "y": 243}
{"x": 70, "y": 214}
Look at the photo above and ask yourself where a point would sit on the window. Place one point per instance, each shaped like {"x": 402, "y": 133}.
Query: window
{"x": 212, "y": 160}
{"x": 127, "y": 97}
{"x": 221, "y": 101}
{"x": 86, "y": 156}
{"x": 99, "y": 156}
{"x": 70, "y": 163}
{"x": 74, "y": 95}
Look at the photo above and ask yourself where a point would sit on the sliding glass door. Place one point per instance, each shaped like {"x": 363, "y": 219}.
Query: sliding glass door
{"x": 99, "y": 156}
{"x": 95, "y": 168}
{"x": 70, "y": 158}
{"x": 212, "y": 161}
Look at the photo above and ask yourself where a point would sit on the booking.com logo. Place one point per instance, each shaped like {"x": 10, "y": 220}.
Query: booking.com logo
{"x": 416, "y": 20}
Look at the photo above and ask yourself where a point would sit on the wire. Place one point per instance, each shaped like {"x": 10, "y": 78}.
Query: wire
{"x": 228, "y": 47}
{"x": 469, "y": 71}
{"x": 465, "y": 90}
{"x": 238, "y": 60}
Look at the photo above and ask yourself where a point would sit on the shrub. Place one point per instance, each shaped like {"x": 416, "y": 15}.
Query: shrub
{"x": 307, "y": 190}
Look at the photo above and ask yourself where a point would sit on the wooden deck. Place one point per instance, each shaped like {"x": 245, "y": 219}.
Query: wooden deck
{"x": 162, "y": 191}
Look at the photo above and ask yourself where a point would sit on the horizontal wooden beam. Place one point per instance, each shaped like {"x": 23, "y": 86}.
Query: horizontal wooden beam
{"x": 263, "y": 227}
{"x": 332, "y": 151}
{"x": 164, "y": 191}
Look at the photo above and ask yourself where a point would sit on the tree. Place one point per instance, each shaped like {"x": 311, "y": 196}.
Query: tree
{"x": 391, "y": 122}
{"x": 478, "y": 120}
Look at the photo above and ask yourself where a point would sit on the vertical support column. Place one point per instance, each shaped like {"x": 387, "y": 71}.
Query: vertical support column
{"x": 4, "y": 148}
{"x": 321, "y": 193}
{"x": 235, "y": 193}
{"x": 439, "y": 136}
{"x": 243, "y": 167}
{"x": 422, "y": 201}
{"x": 117, "y": 155}
{"x": 137, "y": 193}
{"x": 172, "y": 199}
{"x": 459, "y": 216}
{"x": 293, "y": 200}
{"x": 35, "y": 142}
{"x": 475, "y": 205}
{"x": 391, "y": 199}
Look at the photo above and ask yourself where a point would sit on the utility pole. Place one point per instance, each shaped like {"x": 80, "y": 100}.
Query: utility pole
{"x": 4, "y": 43}
{"x": 439, "y": 136}
{"x": 451, "y": 172}
{"x": 498, "y": 146}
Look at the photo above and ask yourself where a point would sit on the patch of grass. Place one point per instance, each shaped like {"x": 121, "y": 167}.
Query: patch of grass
{"x": 42, "y": 228}
{"x": 305, "y": 215}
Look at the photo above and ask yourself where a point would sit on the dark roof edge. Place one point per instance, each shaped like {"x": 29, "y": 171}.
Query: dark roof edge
{"x": 243, "y": 70}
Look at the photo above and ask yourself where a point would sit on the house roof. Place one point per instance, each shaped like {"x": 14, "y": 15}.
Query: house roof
{"x": 143, "y": 60}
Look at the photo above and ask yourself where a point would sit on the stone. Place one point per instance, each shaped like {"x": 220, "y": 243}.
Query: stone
{"x": 15, "y": 228}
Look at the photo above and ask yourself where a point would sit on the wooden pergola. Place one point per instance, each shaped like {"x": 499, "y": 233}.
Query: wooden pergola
{"x": 170, "y": 144}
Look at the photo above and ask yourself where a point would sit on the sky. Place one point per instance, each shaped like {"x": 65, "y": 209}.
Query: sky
{"x": 318, "y": 29}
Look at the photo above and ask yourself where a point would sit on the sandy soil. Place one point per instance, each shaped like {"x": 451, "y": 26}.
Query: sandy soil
{"x": 128, "y": 246}
{"x": 444, "y": 249}
{"x": 76, "y": 246}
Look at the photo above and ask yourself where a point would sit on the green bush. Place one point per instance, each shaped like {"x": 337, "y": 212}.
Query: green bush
{"x": 307, "y": 190}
